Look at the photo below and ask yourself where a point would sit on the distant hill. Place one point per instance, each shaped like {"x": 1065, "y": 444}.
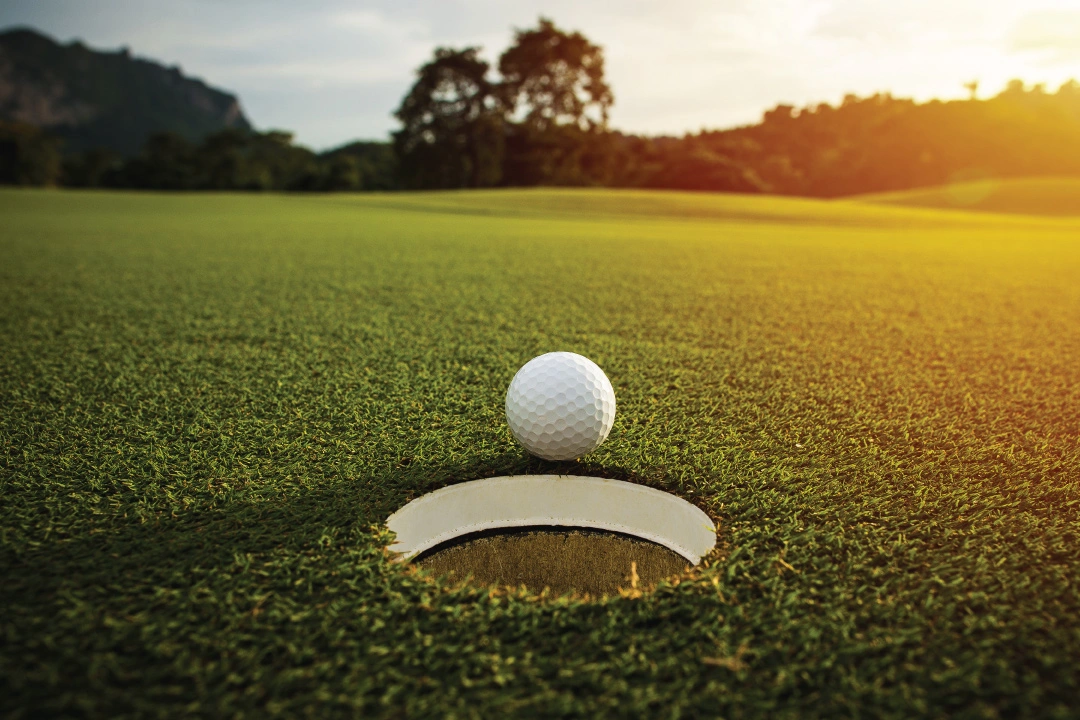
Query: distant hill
{"x": 1025, "y": 196}
{"x": 93, "y": 99}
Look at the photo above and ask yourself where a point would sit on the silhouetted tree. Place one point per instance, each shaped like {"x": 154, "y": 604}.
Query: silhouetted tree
{"x": 452, "y": 118}
{"x": 343, "y": 173}
{"x": 692, "y": 165}
{"x": 375, "y": 163}
{"x": 93, "y": 168}
{"x": 553, "y": 81}
{"x": 28, "y": 156}
{"x": 1014, "y": 87}
{"x": 224, "y": 164}
{"x": 167, "y": 162}
{"x": 555, "y": 78}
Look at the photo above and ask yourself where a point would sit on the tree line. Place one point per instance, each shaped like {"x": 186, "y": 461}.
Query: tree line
{"x": 227, "y": 160}
{"x": 540, "y": 117}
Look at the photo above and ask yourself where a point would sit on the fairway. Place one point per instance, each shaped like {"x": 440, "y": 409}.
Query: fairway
{"x": 212, "y": 402}
{"x": 1027, "y": 196}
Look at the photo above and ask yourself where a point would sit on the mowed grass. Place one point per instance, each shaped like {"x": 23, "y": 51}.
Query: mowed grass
{"x": 1025, "y": 196}
{"x": 211, "y": 403}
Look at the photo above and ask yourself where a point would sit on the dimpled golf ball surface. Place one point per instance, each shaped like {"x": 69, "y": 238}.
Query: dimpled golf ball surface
{"x": 560, "y": 406}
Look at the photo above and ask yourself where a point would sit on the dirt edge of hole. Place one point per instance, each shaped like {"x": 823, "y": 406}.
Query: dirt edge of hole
{"x": 563, "y": 560}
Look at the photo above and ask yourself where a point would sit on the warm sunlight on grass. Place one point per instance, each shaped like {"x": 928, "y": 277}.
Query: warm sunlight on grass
{"x": 212, "y": 401}
{"x": 1028, "y": 196}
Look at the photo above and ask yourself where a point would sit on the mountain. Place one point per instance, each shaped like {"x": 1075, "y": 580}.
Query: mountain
{"x": 93, "y": 99}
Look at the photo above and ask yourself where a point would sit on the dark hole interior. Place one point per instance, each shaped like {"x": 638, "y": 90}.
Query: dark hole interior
{"x": 560, "y": 559}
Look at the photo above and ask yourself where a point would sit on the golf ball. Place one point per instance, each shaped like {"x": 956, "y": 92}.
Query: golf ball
{"x": 560, "y": 406}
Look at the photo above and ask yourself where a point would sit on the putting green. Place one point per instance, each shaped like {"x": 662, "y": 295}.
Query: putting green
{"x": 211, "y": 402}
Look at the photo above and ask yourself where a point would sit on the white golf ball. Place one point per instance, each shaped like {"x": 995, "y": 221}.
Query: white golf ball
{"x": 560, "y": 406}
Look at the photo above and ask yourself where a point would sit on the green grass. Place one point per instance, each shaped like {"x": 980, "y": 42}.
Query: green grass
{"x": 1025, "y": 196}
{"x": 210, "y": 403}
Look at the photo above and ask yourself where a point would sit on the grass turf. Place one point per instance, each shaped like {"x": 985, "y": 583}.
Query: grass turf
{"x": 211, "y": 402}
{"x": 1026, "y": 196}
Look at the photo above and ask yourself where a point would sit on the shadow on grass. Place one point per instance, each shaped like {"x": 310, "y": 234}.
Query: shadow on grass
{"x": 282, "y": 589}
{"x": 176, "y": 547}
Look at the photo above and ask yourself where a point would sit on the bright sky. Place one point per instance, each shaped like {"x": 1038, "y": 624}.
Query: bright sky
{"x": 333, "y": 71}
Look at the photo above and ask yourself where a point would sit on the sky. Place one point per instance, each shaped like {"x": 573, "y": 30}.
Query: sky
{"x": 332, "y": 71}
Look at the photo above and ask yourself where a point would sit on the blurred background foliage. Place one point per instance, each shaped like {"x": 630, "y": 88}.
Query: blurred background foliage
{"x": 542, "y": 120}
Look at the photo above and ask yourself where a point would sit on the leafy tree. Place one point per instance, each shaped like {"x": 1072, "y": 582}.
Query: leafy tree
{"x": 278, "y": 160}
{"x": 556, "y": 78}
{"x": 241, "y": 160}
{"x": 93, "y": 168}
{"x": 691, "y": 165}
{"x": 1014, "y": 87}
{"x": 28, "y": 156}
{"x": 343, "y": 173}
{"x": 167, "y": 162}
{"x": 544, "y": 157}
{"x": 452, "y": 134}
{"x": 375, "y": 163}
{"x": 554, "y": 82}
{"x": 223, "y": 162}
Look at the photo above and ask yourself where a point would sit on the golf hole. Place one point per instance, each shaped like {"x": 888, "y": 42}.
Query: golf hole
{"x": 561, "y": 560}
{"x": 565, "y": 533}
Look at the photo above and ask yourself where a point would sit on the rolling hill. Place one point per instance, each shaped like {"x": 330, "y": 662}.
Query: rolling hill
{"x": 1023, "y": 196}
